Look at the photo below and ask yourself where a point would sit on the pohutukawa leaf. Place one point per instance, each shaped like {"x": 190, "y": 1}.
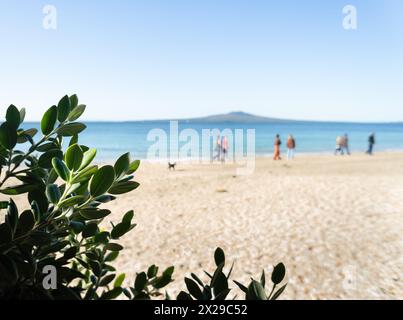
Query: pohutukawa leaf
{"x": 102, "y": 237}
{"x": 71, "y": 129}
{"x": 113, "y": 247}
{"x": 22, "y": 115}
{"x": 63, "y": 108}
{"x": 61, "y": 169}
{"x": 39, "y": 196}
{"x": 90, "y": 230}
{"x": 193, "y": 289}
{"x": 84, "y": 148}
{"x": 26, "y": 222}
{"x": 133, "y": 166}
{"x": 278, "y": 273}
{"x": 52, "y": 176}
{"x": 263, "y": 279}
{"x": 12, "y": 216}
{"x": 94, "y": 213}
{"x": 120, "y": 229}
{"x": 72, "y": 201}
{"x": 46, "y": 147}
{"x": 85, "y": 174}
{"x": 13, "y": 116}
{"x": 256, "y": 291}
{"x": 45, "y": 160}
{"x": 111, "y": 256}
{"x": 278, "y": 292}
{"x": 102, "y": 180}
{"x": 24, "y": 136}
{"x": 77, "y": 226}
{"x": 141, "y": 281}
{"x": 219, "y": 257}
{"x": 49, "y": 120}
{"x": 76, "y": 112}
{"x": 73, "y": 140}
{"x": 73, "y": 101}
{"x": 74, "y": 157}
{"x": 89, "y": 155}
{"x": 123, "y": 187}
{"x": 128, "y": 217}
{"x": 8, "y": 136}
{"x": 53, "y": 193}
{"x": 96, "y": 267}
{"x": 119, "y": 280}
{"x": 20, "y": 189}
{"x": 106, "y": 280}
{"x": 31, "y": 132}
{"x": 70, "y": 252}
{"x": 105, "y": 198}
{"x": 36, "y": 211}
{"x": 152, "y": 271}
{"x": 3, "y": 204}
{"x": 122, "y": 165}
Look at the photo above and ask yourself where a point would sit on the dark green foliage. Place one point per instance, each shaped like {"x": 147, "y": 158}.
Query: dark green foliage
{"x": 218, "y": 287}
{"x": 62, "y": 227}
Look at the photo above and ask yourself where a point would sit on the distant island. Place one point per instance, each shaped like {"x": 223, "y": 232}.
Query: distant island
{"x": 244, "y": 117}
{"x": 247, "y": 118}
{"x": 236, "y": 116}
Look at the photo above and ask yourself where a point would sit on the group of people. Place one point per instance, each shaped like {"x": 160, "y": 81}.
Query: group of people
{"x": 291, "y": 145}
{"x": 221, "y": 149}
{"x": 342, "y": 146}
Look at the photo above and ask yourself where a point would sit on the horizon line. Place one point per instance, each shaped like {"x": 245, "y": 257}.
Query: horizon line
{"x": 264, "y": 119}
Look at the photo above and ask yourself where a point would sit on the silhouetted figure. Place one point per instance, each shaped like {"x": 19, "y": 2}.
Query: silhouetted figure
{"x": 339, "y": 146}
{"x": 224, "y": 148}
{"x": 217, "y": 150}
{"x": 371, "y": 142}
{"x": 291, "y": 147}
{"x": 277, "y": 144}
{"x": 346, "y": 144}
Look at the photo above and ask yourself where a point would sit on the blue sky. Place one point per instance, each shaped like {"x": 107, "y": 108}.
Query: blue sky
{"x": 150, "y": 59}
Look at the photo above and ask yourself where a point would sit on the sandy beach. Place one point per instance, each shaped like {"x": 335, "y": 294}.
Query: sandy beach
{"x": 335, "y": 222}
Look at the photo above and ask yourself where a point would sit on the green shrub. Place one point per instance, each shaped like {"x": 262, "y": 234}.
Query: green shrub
{"x": 60, "y": 232}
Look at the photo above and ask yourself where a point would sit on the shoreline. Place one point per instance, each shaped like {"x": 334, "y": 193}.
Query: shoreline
{"x": 301, "y": 155}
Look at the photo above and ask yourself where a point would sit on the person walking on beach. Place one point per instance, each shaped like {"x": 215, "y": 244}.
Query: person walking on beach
{"x": 217, "y": 149}
{"x": 346, "y": 144}
{"x": 371, "y": 142}
{"x": 339, "y": 146}
{"x": 224, "y": 148}
{"x": 291, "y": 147}
{"x": 277, "y": 144}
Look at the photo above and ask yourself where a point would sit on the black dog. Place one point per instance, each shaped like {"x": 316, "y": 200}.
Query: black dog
{"x": 171, "y": 166}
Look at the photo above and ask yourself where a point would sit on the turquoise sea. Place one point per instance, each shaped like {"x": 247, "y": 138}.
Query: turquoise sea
{"x": 114, "y": 138}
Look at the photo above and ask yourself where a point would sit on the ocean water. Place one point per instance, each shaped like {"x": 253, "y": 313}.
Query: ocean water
{"x": 115, "y": 138}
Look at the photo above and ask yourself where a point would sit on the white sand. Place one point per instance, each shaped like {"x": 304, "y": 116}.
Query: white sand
{"x": 336, "y": 223}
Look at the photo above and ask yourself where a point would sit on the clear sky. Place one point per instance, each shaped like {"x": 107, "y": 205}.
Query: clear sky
{"x": 149, "y": 59}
